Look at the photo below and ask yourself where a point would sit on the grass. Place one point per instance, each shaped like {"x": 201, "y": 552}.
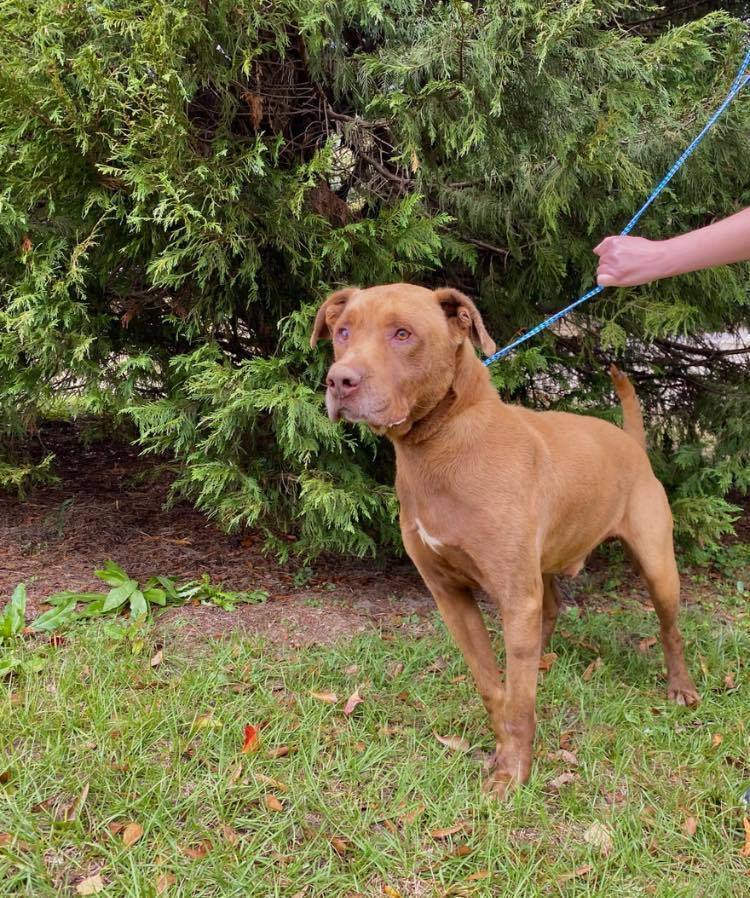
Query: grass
{"x": 362, "y": 796}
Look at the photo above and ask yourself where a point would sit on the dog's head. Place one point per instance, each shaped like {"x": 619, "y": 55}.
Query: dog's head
{"x": 396, "y": 350}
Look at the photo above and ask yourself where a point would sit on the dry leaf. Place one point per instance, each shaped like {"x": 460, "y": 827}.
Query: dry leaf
{"x": 455, "y": 743}
{"x": 163, "y": 882}
{"x": 199, "y": 851}
{"x": 234, "y": 774}
{"x": 131, "y": 834}
{"x": 281, "y": 751}
{"x": 351, "y": 703}
{"x": 92, "y": 885}
{"x": 745, "y": 851}
{"x": 359, "y": 746}
{"x": 579, "y": 871}
{"x": 729, "y": 682}
{"x": 229, "y": 834}
{"x": 645, "y": 644}
{"x": 70, "y": 811}
{"x": 395, "y": 669}
{"x": 690, "y": 826}
{"x": 251, "y": 739}
{"x": 568, "y": 756}
{"x": 566, "y": 739}
{"x": 409, "y": 818}
{"x": 599, "y": 836}
{"x": 115, "y": 827}
{"x": 26, "y": 244}
{"x": 352, "y": 669}
{"x": 270, "y": 781}
{"x": 391, "y": 893}
{"x": 448, "y": 831}
{"x": 273, "y": 803}
{"x": 414, "y": 160}
{"x": 563, "y": 780}
{"x": 480, "y": 874}
{"x": 329, "y": 698}
{"x": 339, "y": 845}
{"x": 595, "y": 665}
{"x": 546, "y": 661}
{"x": 717, "y": 740}
{"x": 461, "y": 851}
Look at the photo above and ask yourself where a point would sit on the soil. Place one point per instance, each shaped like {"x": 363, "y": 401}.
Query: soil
{"x": 111, "y": 502}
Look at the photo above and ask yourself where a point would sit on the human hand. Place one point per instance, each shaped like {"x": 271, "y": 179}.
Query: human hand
{"x": 630, "y": 261}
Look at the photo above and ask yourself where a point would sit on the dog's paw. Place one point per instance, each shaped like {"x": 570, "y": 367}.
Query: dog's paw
{"x": 683, "y": 693}
{"x": 499, "y": 784}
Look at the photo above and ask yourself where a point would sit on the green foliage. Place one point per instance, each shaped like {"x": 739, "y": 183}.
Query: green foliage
{"x": 13, "y": 617}
{"x": 181, "y": 183}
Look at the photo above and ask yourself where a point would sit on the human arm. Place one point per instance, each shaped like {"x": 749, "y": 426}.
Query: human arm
{"x": 630, "y": 261}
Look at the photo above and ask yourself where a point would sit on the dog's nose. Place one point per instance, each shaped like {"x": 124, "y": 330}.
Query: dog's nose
{"x": 342, "y": 380}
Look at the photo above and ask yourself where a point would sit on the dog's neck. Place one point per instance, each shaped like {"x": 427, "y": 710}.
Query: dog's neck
{"x": 471, "y": 384}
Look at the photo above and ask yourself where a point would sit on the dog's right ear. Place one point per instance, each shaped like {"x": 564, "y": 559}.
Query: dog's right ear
{"x": 328, "y": 313}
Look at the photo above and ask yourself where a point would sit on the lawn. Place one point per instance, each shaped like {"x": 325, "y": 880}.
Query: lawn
{"x": 123, "y": 767}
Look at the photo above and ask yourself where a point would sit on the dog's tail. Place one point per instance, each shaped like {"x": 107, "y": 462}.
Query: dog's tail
{"x": 631, "y": 407}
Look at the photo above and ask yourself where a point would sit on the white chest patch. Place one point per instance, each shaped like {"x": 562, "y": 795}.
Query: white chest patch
{"x": 430, "y": 541}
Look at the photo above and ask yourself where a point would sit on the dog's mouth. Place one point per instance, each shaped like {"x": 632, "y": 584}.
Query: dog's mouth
{"x": 379, "y": 419}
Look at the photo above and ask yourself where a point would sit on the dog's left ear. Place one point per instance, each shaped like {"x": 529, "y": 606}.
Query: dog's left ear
{"x": 328, "y": 313}
{"x": 464, "y": 315}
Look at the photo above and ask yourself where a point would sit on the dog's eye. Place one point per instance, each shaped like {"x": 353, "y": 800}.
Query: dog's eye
{"x": 402, "y": 334}
{"x": 342, "y": 334}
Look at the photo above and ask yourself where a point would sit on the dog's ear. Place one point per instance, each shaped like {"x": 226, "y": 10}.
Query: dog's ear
{"x": 464, "y": 316}
{"x": 328, "y": 313}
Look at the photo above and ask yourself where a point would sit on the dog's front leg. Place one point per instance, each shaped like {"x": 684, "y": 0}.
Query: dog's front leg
{"x": 521, "y": 609}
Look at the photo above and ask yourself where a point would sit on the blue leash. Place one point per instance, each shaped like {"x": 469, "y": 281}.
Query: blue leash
{"x": 742, "y": 79}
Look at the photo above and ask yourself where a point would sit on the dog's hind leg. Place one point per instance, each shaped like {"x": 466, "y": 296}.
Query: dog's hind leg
{"x": 550, "y": 608}
{"x": 648, "y": 535}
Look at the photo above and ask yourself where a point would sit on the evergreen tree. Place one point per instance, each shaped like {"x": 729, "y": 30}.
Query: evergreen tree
{"x": 182, "y": 182}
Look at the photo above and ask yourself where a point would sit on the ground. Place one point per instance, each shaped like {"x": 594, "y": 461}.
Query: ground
{"x": 121, "y": 748}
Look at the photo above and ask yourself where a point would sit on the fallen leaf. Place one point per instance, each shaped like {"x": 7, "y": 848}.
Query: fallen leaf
{"x": 704, "y": 665}
{"x": 206, "y": 721}
{"x": 645, "y": 644}
{"x": 480, "y": 874}
{"x": 157, "y": 659}
{"x": 448, "y": 831}
{"x": 234, "y": 774}
{"x": 395, "y": 669}
{"x": 546, "y": 661}
{"x": 455, "y": 743}
{"x": 339, "y": 846}
{"x": 595, "y": 665}
{"x": 131, "y": 834}
{"x": 745, "y": 851}
{"x": 329, "y": 698}
{"x": 359, "y": 746}
{"x": 566, "y": 739}
{"x": 26, "y": 243}
{"x": 351, "y": 703}
{"x": 199, "y": 851}
{"x": 163, "y": 882}
{"x": 729, "y": 683}
{"x": 563, "y": 780}
{"x": 690, "y": 826}
{"x": 599, "y": 836}
{"x": 461, "y": 851}
{"x": 92, "y": 885}
{"x": 115, "y": 827}
{"x": 270, "y": 781}
{"x": 391, "y": 827}
{"x": 579, "y": 871}
{"x": 70, "y": 811}
{"x": 228, "y": 834}
{"x": 281, "y": 751}
{"x": 438, "y": 665}
{"x": 409, "y": 818}
{"x": 251, "y": 739}
{"x": 568, "y": 757}
{"x": 272, "y": 803}
{"x": 352, "y": 669}
{"x": 391, "y": 893}
{"x": 459, "y": 679}
{"x": 716, "y": 740}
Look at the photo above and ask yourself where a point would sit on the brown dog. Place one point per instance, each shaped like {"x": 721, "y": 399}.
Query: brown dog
{"x": 493, "y": 495}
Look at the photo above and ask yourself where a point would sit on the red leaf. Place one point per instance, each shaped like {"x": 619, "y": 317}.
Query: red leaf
{"x": 251, "y": 739}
